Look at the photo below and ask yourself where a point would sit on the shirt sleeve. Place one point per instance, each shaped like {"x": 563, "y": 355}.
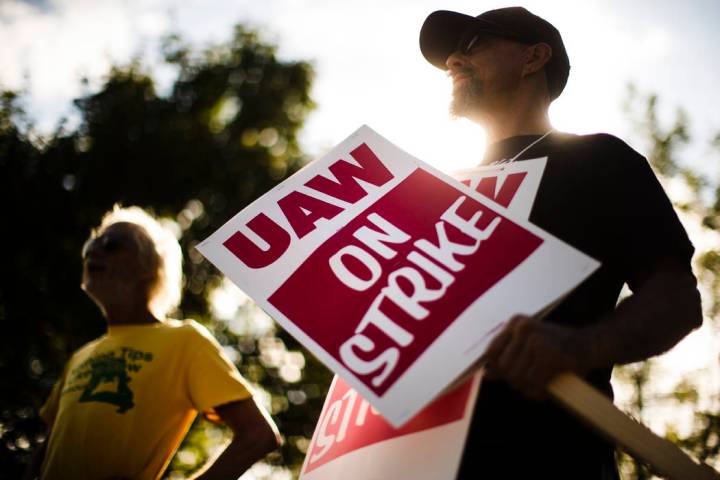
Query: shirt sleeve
{"x": 212, "y": 380}
{"x": 648, "y": 228}
{"x": 48, "y": 412}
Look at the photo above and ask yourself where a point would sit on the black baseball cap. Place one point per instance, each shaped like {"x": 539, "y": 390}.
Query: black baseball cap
{"x": 445, "y": 32}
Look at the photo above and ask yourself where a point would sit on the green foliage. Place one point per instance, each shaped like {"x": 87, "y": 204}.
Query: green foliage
{"x": 712, "y": 219}
{"x": 637, "y": 375}
{"x": 663, "y": 141}
{"x": 709, "y": 263}
{"x": 202, "y": 438}
{"x": 224, "y": 134}
{"x": 664, "y": 144}
{"x": 685, "y": 392}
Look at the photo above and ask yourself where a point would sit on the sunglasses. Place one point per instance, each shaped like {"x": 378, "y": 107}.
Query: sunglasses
{"x": 107, "y": 242}
{"x": 483, "y": 36}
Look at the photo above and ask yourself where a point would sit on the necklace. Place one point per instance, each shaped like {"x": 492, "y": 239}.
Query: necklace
{"x": 532, "y": 144}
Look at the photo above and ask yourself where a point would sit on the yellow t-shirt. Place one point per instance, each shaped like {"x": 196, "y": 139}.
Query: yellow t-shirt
{"x": 126, "y": 400}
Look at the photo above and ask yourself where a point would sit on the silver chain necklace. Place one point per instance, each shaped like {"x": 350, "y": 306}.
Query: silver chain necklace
{"x": 532, "y": 144}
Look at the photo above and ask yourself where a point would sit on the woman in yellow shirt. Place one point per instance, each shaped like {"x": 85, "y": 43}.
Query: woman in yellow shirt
{"x": 126, "y": 400}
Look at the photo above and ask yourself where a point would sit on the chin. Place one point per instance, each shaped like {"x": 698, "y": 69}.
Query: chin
{"x": 92, "y": 289}
{"x": 467, "y": 97}
{"x": 89, "y": 290}
{"x": 88, "y": 284}
{"x": 465, "y": 107}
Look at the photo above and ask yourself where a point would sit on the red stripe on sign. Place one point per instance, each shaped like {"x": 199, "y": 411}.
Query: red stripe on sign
{"x": 379, "y": 292}
{"x": 348, "y": 423}
{"x": 488, "y": 187}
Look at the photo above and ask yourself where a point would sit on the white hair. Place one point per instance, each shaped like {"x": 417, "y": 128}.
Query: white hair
{"x": 160, "y": 251}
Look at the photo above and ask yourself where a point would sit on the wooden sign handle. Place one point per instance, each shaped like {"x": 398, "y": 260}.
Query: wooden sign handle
{"x": 661, "y": 455}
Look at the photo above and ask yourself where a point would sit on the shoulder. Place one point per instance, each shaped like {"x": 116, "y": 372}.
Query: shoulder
{"x": 87, "y": 349}
{"x": 82, "y": 355}
{"x": 599, "y": 142}
{"x": 596, "y": 141}
{"x": 191, "y": 327}
{"x": 187, "y": 327}
{"x": 193, "y": 331}
{"x": 600, "y": 151}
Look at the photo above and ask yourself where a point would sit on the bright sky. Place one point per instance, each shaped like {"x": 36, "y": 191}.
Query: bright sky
{"x": 369, "y": 68}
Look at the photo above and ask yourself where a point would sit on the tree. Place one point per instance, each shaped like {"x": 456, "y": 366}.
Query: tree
{"x": 699, "y": 208}
{"x": 225, "y": 134}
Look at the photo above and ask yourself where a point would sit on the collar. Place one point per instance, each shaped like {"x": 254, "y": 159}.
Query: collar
{"x": 507, "y": 148}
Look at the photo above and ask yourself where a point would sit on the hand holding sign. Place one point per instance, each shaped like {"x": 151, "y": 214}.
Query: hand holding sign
{"x": 528, "y": 353}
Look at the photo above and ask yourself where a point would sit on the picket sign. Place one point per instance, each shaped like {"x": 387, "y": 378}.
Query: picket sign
{"x": 392, "y": 273}
{"x": 352, "y": 437}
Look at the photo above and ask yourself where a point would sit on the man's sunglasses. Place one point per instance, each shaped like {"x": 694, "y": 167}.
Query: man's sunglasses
{"x": 473, "y": 39}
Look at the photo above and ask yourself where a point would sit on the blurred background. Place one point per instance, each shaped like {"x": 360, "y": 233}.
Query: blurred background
{"x": 195, "y": 108}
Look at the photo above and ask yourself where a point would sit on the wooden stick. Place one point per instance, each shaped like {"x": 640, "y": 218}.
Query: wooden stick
{"x": 661, "y": 455}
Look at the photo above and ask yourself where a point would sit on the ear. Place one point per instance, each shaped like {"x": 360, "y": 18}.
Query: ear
{"x": 535, "y": 58}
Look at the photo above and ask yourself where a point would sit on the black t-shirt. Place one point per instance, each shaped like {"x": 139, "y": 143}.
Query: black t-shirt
{"x": 600, "y": 196}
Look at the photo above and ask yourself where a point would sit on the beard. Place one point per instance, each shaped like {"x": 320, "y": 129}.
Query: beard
{"x": 467, "y": 98}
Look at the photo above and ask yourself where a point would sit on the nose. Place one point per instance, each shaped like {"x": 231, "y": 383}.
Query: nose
{"x": 456, "y": 60}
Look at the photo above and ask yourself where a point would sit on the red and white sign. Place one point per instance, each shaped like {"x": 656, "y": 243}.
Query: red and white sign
{"x": 512, "y": 185}
{"x": 390, "y": 272}
{"x": 352, "y": 437}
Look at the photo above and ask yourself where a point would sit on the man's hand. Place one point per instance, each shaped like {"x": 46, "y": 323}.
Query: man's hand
{"x": 528, "y": 353}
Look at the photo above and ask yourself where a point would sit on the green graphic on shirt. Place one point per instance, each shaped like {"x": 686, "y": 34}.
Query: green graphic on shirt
{"x": 109, "y": 369}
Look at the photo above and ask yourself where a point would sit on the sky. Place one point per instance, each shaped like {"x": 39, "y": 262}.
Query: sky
{"x": 369, "y": 69}
{"x": 368, "y": 64}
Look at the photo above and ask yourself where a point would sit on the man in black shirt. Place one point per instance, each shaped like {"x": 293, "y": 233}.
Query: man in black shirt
{"x": 597, "y": 194}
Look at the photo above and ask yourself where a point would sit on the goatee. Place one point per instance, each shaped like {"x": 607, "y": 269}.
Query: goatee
{"x": 466, "y": 98}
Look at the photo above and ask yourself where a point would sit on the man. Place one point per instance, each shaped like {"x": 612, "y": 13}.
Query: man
{"x": 125, "y": 400}
{"x": 597, "y": 194}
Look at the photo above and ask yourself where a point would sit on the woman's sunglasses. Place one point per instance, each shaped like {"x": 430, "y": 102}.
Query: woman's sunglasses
{"x": 107, "y": 242}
